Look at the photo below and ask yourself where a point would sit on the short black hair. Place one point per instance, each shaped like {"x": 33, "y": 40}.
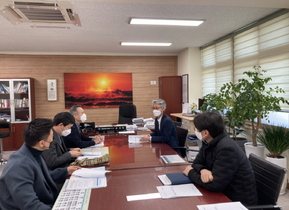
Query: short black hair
{"x": 63, "y": 117}
{"x": 73, "y": 109}
{"x": 211, "y": 121}
{"x": 37, "y": 130}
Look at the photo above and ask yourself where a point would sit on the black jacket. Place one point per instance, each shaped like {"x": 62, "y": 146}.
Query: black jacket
{"x": 231, "y": 169}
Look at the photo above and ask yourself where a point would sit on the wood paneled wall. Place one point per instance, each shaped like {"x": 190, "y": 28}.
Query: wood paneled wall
{"x": 41, "y": 67}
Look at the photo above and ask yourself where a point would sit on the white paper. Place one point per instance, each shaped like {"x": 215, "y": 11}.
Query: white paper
{"x": 89, "y": 173}
{"x": 222, "y": 206}
{"x": 172, "y": 159}
{"x": 186, "y": 107}
{"x": 134, "y": 138}
{"x": 86, "y": 183}
{"x": 88, "y": 157}
{"x": 125, "y": 132}
{"x": 182, "y": 190}
{"x": 77, "y": 182}
{"x": 143, "y": 196}
{"x": 94, "y": 151}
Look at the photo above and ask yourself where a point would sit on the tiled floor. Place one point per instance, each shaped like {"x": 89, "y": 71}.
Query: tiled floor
{"x": 282, "y": 201}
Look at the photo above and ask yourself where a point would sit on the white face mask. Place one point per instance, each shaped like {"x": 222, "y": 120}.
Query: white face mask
{"x": 66, "y": 132}
{"x": 157, "y": 113}
{"x": 83, "y": 117}
{"x": 199, "y": 135}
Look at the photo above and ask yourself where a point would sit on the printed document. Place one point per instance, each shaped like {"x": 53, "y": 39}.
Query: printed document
{"x": 172, "y": 159}
{"x": 223, "y": 206}
{"x": 182, "y": 190}
{"x": 86, "y": 178}
{"x": 134, "y": 138}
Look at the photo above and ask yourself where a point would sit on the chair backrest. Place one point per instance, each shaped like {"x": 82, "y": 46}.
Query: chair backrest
{"x": 182, "y": 134}
{"x": 126, "y": 113}
{"x": 269, "y": 178}
{"x": 177, "y": 124}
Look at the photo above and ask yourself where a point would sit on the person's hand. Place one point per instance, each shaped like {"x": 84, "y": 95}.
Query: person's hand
{"x": 206, "y": 176}
{"x": 75, "y": 149}
{"x": 75, "y": 153}
{"x": 145, "y": 138}
{"x": 187, "y": 170}
{"x": 71, "y": 169}
{"x": 98, "y": 139}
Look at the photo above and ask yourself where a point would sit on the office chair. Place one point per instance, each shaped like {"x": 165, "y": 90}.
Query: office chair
{"x": 3, "y": 135}
{"x": 182, "y": 134}
{"x": 269, "y": 178}
{"x": 177, "y": 123}
{"x": 126, "y": 113}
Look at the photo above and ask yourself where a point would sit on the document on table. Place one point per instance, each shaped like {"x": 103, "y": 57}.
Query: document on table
{"x": 182, "y": 190}
{"x": 172, "y": 159}
{"x": 87, "y": 178}
{"x": 143, "y": 197}
{"x": 223, "y": 206}
{"x": 72, "y": 199}
{"x": 93, "y": 152}
{"x": 126, "y": 132}
{"x": 134, "y": 138}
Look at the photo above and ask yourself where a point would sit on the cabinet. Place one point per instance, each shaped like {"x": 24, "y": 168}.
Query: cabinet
{"x": 170, "y": 90}
{"x": 17, "y": 105}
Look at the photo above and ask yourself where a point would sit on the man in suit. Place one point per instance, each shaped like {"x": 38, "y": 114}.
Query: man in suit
{"x": 165, "y": 131}
{"x": 26, "y": 182}
{"x": 76, "y": 138}
{"x": 58, "y": 155}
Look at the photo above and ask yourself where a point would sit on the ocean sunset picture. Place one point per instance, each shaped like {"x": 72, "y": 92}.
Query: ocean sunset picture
{"x": 97, "y": 90}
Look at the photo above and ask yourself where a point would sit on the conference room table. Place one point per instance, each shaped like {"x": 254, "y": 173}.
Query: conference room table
{"x": 134, "y": 171}
{"x": 124, "y": 155}
{"x": 122, "y": 183}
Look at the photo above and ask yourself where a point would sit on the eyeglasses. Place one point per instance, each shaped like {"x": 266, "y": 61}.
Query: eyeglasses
{"x": 156, "y": 108}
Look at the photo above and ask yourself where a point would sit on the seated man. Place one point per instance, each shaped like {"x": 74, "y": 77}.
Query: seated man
{"x": 165, "y": 130}
{"x": 76, "y": 138}
{"x": 221, "y": 166}
{"x": 26, "y": 182}
{"x": 58, "y": 155}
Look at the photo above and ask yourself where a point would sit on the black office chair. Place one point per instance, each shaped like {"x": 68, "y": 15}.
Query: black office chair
{"x": 126, "y": 113}
{"x": 3, "y": 135}
{"x": 182, "y": 134}
{"x": 177, "y": 123}
{"x": 269, "y": 178}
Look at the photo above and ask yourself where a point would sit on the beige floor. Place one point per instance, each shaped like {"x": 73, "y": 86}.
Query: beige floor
{"x": 282, "y": 201}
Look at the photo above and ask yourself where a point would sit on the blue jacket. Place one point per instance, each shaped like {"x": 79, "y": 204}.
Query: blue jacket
{"x": 167, "y": 134}
{"x": 24, "y": 185}
{"x": 76, "y": 139}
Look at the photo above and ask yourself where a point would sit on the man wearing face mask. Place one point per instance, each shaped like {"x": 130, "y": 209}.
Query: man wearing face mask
{"x": 221, "y": 166}
{"x": 58, "y": 155}
{"x": 76, "y": 138}
{"x": 165, "y": 131}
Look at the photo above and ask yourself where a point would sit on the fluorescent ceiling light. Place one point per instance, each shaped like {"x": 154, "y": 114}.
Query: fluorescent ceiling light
{"x": 144, "y": 21}
{"x": 145, "y": 44}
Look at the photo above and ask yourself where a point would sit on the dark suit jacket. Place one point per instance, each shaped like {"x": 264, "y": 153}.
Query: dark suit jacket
{"x": 167, "y": 134}
{"x": 24, "y": 185}
{"x": 76, "y": 139}
{"x": 57, "y": 155}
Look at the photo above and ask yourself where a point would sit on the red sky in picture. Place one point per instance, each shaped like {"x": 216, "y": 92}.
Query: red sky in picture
{"x": 97, "y": 82}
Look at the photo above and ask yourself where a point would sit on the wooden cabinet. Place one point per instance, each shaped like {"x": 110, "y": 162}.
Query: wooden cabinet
{"x": 170, "y": 90}
{"x": 17, "y": 106}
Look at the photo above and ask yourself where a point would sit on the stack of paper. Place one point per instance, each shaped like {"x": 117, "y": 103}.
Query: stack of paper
{"x": 174, "y": 191}
{"x": 223, "y": 206}
{"x": 134, "y": 138}
{"x": 172, "y": 159}
{"x": 86, "y": 178}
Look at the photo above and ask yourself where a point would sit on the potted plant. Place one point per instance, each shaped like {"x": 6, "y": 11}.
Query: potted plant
{"x": 276, "y": 141}
{"x": 253, "y": 101}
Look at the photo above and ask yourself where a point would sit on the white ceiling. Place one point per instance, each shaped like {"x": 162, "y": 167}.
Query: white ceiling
{"x": 105, "y": 25}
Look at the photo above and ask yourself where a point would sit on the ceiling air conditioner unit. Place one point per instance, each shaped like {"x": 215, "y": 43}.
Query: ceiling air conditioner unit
{"x": 39, "y": 12}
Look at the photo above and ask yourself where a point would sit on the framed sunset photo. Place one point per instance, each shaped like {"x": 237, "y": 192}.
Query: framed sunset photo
{"x": 97, "y": 90}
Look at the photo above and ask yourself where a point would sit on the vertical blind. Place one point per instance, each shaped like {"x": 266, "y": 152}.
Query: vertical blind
{"x": 266, "y": 45}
